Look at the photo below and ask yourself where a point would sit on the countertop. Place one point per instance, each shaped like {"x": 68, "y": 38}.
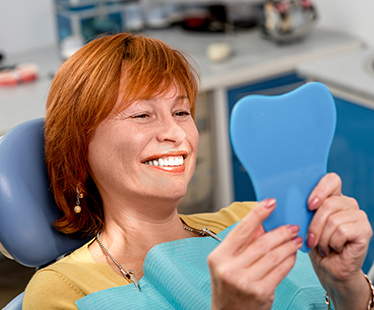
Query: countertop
{"x": 253, "y": 58}
{"x": 351, "y": 73}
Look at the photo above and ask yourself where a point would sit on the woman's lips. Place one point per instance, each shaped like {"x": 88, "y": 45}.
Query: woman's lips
{"x": 175, "y": 169}
{"x": 168, "y": 163}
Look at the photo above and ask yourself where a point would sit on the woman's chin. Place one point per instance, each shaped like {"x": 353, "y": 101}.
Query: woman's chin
{"x": 171, "y": 195}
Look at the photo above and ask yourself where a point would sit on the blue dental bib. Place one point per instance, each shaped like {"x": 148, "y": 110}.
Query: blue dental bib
{"x": 176, "y": 276}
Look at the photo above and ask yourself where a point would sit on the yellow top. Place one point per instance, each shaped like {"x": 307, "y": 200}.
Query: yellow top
{"x": 59, "y": 285}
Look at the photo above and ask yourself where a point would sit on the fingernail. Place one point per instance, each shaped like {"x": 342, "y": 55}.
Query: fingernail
{"x": 294, "y": 229}
{"x": 298, "y": 240}
{"x": 313, "y": 204}
{"x": 310, "y": 240}
{"x": 321, "y": 252}
{"x": 270, "y": 203}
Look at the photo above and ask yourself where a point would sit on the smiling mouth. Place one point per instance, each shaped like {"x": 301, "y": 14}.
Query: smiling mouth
{"x": 170, "y": 161}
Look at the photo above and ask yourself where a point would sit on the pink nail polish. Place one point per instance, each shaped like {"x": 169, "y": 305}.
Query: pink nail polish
{"x": 294, "y": 229}
{"x": 310, "y": 240}
{"x": 298, "y": 240}
{"x": 270, "y": 203}
{"x": 313, "y": 204}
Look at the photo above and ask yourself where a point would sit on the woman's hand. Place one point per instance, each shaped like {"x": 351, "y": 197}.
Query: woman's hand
{"x": 338, "y": 236}
{"x": 249, "y": 264}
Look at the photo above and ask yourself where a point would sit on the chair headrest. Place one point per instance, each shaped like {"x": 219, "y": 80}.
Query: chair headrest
{"x": 27, "y": 207}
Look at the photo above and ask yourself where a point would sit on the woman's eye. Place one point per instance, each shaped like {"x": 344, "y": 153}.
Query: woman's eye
{"x": 182, "y": 113}
{"x": 140, "y": 116}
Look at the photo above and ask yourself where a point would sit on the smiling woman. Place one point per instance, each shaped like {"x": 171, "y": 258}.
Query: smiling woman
{"x": 120, "y": 148}
{"x": 102, "y": 78}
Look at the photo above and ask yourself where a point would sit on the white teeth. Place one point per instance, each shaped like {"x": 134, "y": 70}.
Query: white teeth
{"x": 162, "y": 162}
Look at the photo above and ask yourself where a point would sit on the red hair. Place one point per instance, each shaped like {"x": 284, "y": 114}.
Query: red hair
{"x": 83, "y": 93}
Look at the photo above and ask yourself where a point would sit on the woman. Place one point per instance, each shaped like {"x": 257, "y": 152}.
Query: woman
{"x": 121, "y": 148}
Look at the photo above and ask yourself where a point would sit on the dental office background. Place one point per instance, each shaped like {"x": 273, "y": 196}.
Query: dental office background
{"x": 31, "y": 25}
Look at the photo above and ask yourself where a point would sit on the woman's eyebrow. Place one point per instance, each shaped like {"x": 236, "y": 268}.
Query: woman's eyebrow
{"x": 181, "y": 97}
{"x": 178, "y": 98}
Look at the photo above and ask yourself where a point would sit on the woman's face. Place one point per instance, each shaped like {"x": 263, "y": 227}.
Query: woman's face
{"x": 148, "y": 150}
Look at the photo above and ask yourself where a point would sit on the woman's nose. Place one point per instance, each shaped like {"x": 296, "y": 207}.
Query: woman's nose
{"x": 170, "y": 130}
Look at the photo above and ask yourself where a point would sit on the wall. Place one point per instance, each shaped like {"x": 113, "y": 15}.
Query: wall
{"x": 354, "y": 17}
{"x": 26, "y": 25}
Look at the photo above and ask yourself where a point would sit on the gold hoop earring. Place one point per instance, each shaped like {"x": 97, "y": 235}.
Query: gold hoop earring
{"x": 78, "y": 208}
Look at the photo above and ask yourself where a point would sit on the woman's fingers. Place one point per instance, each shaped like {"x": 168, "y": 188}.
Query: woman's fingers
{"x": 271, "y": 262}
{"x": 335, "y": 234}
{"x": 265, "y": 287}
{"x": 343, "y": 227}
{"x": 245, "y": 231}
{"x": 328, "y": 207}
{"x": 280, "y": 272}
{"x": 343, "y": 246}
{"x": 266, "y": 245}
{"x": 329, "y": 185}
{"x": 350, "y": 232}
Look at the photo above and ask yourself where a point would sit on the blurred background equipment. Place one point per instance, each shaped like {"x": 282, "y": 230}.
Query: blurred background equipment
{"x": 22, "y": 73}
{"x": 89, "y": 18}
{"x": 288, "y": 20}
{"x": 82, "y": 20}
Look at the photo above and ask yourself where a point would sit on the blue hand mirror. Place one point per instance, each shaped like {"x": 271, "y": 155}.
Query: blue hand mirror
{"x": 283, "y": 143}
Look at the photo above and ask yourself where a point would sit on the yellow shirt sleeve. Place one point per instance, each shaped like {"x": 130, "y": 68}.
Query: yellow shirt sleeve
{"x": 51, "y": 290}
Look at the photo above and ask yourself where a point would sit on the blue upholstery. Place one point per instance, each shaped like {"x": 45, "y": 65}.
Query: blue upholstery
{"x": 27, "y": 207}
{"x": 15, "y": 304}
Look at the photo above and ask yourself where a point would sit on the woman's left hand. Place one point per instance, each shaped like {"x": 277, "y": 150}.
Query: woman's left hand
{"x": 338, "y": 236}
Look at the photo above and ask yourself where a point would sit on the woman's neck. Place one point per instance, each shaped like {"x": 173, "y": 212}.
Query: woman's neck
{"x": 129, "y": 233}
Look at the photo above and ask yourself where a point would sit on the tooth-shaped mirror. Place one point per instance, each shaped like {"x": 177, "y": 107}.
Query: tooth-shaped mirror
{"x": 283, "y": 143}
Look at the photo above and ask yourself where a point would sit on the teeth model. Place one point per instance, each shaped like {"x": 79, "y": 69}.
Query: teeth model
{"x": 166, "y": 162}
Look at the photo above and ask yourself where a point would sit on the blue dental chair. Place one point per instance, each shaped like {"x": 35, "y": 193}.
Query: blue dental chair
{"x": 27, "y": 207}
